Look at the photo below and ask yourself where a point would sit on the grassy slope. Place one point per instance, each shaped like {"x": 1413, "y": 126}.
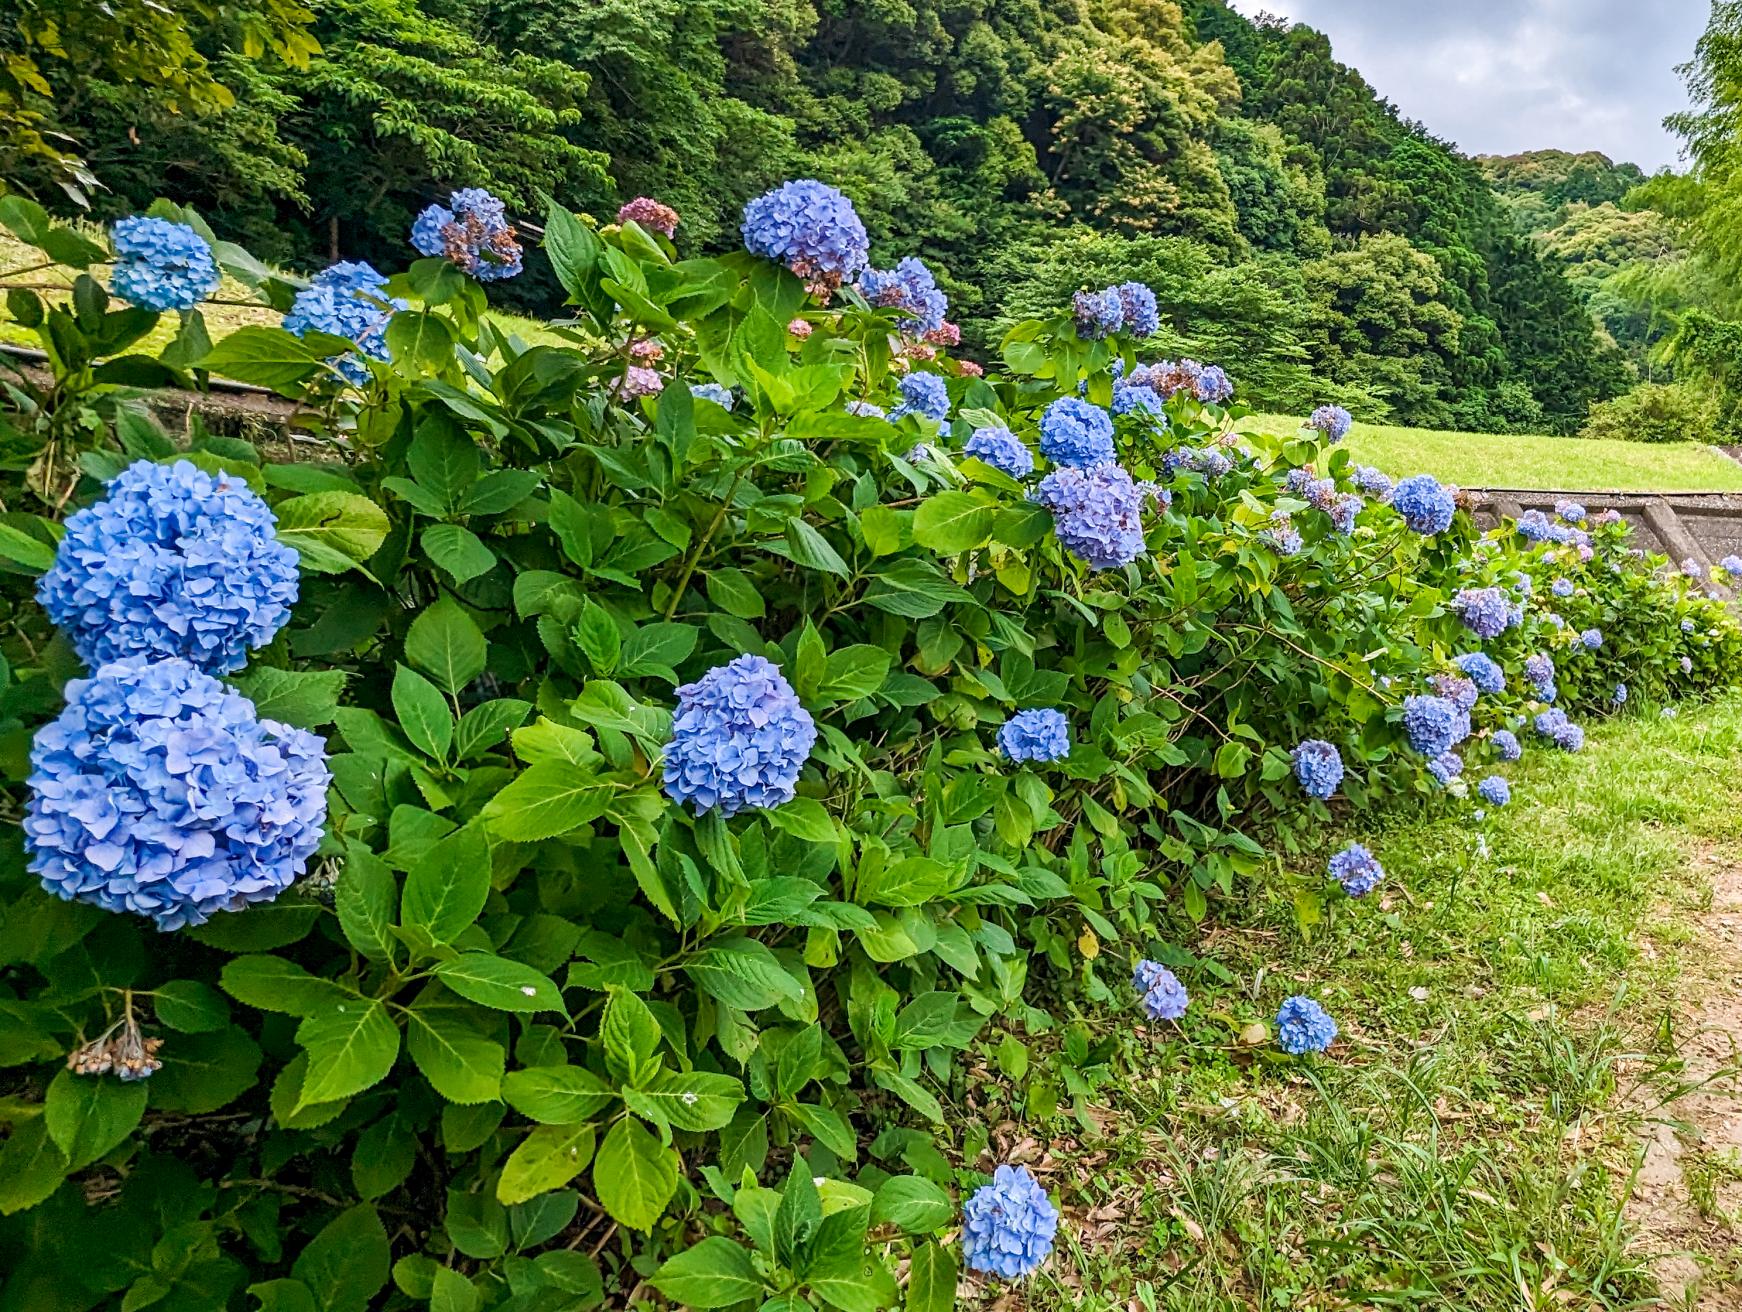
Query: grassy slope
{"x": 1523, "y": 461}
{"x": 1465, "y": 1139}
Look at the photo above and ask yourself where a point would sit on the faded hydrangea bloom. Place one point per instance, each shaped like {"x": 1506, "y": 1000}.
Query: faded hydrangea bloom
{"x": 647, "y": 213}
{"x": 472, "y": 230}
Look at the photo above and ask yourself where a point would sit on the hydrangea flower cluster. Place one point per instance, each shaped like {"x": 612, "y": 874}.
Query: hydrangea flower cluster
{"x": 1097, "y": 314}
{"x": 1098, "y": 512}
{"x": 1074, "y": 432}
{"x": 161, "y": 266}
{"x": 158, "y": 791}
{"x": 173, "y": 561}
{"x": 1592, "y": 639}
{"x": 1035, "y": 735}
{"x": 1554, "y": 725}
{"x": 473, "y": 231}
{"x": 911, "y": 288}
{"x": 1001, "y": 449}
{"x": 1209, "y": 462}
{"x": 1357, "y": 870}
{"x": 1131, "y": 397}
{"x": 1494, "y": 790}
{"x": 649, "y": 214}
{"x": 1561, "y": 587}
{"x": 1170, "y": 377}
{"x": 1619, "y": 696}
{"x": 1457, "y": 689}
{"x": 1570, "y": 511}
{"x": 1483, "y": 671}
{"x": 1434, "y": 725}
{"x": 1425, "y": 506}
{"x": 1371, "y": 481}
{"x": 1142, "y": 316}
{"x": 1687, "y": 664}
{"x": 1318, "y": 766}
{"x": 1486, "y": 612}
{"x": 1732, "y": 565}
{"x": 1331, "y": 420}
{"x": 738, "y": 740}
{"x": 1446, "y": 767}
{"x": 1008, "y": 1225}
{"x": 1506, "y": 745}
{"x": 1214, "y": 386}
{"x": 1164, "y": 997}
{"x": 866, "y": 410}
{"x": 1345, "y": 510}
{"x": 720, "y": 396}
{"x": 1303, "y": 1026}
{"x": 1282, "y": 536}
{"x": 1539, "y": 672}
{"x": 348, "y": 300}
{"x": 922, "y": 394}
{"x": 812, "y": 229}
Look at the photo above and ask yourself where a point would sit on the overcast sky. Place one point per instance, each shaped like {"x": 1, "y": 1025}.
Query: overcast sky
{"x": 1501, "y": 76}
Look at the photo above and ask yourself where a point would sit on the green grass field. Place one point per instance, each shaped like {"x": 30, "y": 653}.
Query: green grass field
{"x": 1528, "y": 461}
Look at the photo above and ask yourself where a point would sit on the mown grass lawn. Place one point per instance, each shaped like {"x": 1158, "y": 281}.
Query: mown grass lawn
{"x": 1467, "y": 1142}
{"x": 1528, "y": 461}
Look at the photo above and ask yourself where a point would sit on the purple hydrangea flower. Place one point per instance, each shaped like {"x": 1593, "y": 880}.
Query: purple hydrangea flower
{"x": 1357, "y": 870}
{"x": 1345, "y": 510}
{"x": 1494, "y": 790}
{"x": 1446, "y": 767}
{"x": 922, "y": 394}
{"x": 173, "y": 561}
{"x": 1687, "y": 664}
{"x": 1374, "y": 483}
{"x": 1302, "y": 1026}
{"x": 1483, "y": 671}
{"x": 161, "y": 265}
{"x": 473, "y": 231}
{"x": 349, "y": 300}
{"x": 159, "y": 791}
{"x": 720, "y": 396}
{"x": 1209, "y": 462}
{"x": 1331, "y": 420}
{"x": 1097, "y": 314}
{"x": 812, "y": 229}
{"x": 1318, "y": 766}
{"x": 1074, "y": 432}
{"x": 1098, "y": 513}
{"x": 1213, "y": 386}
{"x": 1001, "y": 449}
{"x": 1282, "y": 536}
{"x": 1486, "y": 612}
{"x": 1035, "y": 735}
{"x": 1425, "y": 506}
{"x": 866, "y": 410}
{"x": 1506, "y": 745}
{"x": 1591, "y": 639}
{"x": 1554, "y": 725}
{"x": 1457, "y": 689}
{"x": 908, "y": 287}
{"x": 1434, "y": 725}
{"x": 1008, "y": 1225}
{"x": 1539, "y": 672}
{"x": 1137, "y": 301}
{"x": 738, "y": 740}
{"x": 1164, "y": 997}
{"x": 1561, "y": 587}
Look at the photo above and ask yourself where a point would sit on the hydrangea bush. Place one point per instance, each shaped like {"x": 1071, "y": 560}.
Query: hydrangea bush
{"x": 714, "y": 789}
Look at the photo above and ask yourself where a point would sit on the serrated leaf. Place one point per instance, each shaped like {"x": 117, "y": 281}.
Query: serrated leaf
{"x": 274, "y": 984}
{"x": 448, "y": 885}
{"x": 423, "y": 713}
{"x": 953, "y": 522}
{"x": 713, "y": 1273}
{"x": 463, "y": 1065}
{"x": 557, "y": 1095}
{"x": 458, "y": 550}
{"x": 332, "y": 530}
{"x": 547, "y": 800}
{"x": 688, "y": 1100}
{"x": 307, "y": 699}
{"x": 447, "y": 644}
{"x": 742, "y": 973}
{"x": 87, "y": 1116}
{"x": 548, "y": 1158}
{"x": 366, "y": 899}
{"x": 635, "y": 1175}
{"x": 346, "y": 1264}
{"x": 351, "y": 1047}
{"x": 499, "y": 983}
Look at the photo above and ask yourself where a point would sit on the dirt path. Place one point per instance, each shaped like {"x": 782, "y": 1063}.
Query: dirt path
{"x": 1689, "y": 1195}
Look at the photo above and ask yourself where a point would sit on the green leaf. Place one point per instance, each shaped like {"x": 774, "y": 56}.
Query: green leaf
{"x": 547, "y": 800}
{"x": 860, "y": 1283}
{"x": 828, "y": 1127}
{"x": 423, "y": 713}
{"x": 446, "y": 888}
{"x": 811, "y": 549}
{"x": 557, "y": 1095}
{"x": 346, "y": 1264}
{"x": 19, "y": 547}
{"x": 274, "y": 984}
{"x": 599, "y": 637}
{"x": 463, "y": 1065}
{"x": 447, "y": 644}
{"x": 635, "y": 1175}
{"x": 854, "y": 672}
{"x": 713, "y": 1273}
{"x": 913, "y": 589}
{"x": 797, "y": 1218}
{"x": 420, "y": 339}
{"x": 283, "y": 1295}
{"x": 367, "y": 898}
{"x": 742, "y": 973}
{"x": 350, "y": 1048}
{"x": 629, "y": 1034}
{"x": 189, "y": 1006}
{"x": 206, "y": 1072}
{"x": 477, "y": 1224}
{"x": 452, "y": 1292}
{"x": 953, "y": 522}
{"x": 548, "y": 1158}
{"x": 688, "y": 1100}
{"x": 931, "y": 1279}
{"x": 458, "y": 550}
{"x": 733, "y": 592}
{"x": 88, "y": 1115}
{"x": 499, "y": 983}
{"x": 31, "y": 1167}
{"x": 264, "y": 356}
{"x": 444, "y": 460}
{"x": 485, "y": 725}
{"x": 913, "y": 1203}
{"x": 332, "y": 531}
{"x": 804, "y": 817}
{"x": 307, "y": 699}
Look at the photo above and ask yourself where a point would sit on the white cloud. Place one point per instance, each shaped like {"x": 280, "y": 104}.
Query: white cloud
{"x": 1499, "y": 76}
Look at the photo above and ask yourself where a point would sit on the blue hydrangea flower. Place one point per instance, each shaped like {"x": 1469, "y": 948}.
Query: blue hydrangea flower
{"x": 1097, "y": 314}
{"x": 1458, "y": 690}
{"x": 1318, "y": 766}
{"x": 1282, "y": 536}
{"x": 1331, "y": 420}
{"x": 173, "y": 561}
{"x": 1571, "y": 511}
{"x": 1425, "y": 506}
{"x": 1371, "y": 481}
{"x": 909, "y": 287}
{"x": 922, "y": 394}
{"x": 159, "y": 791}
{"x": 1687, "y": 626}
{"x": 1693, "y": 569}
{"x": 1303, "y": 1026}
{"x": 1035, "y": 735}
{"x": 161, "y": 265}
{"x": 1129, "y": 397}
{"x": 866, "y": 410}
{"x": 1137, "y": 301}
{"x": 738, "y": 740}
{"x": 1506, "y": 745}
{"x": 1008, "y": 1225}
{"x": 1486, "y": 612}
{"x": 1483, "y": 671}
{"x": 1357, "y": 870}
{"x": 812, "y": 229}
{"x": 1731, "y": 565}
{"x": 1164, "y": 997}
{"x": 1539, "y": 672}
{"x": 348, "y": 299}
{"x": 1687, "y": 664}
{"x": 1074, "y": 432}
{"x": 1213, "y": 386}
{"x": 1001, "y": 449}
{"x": 720, "y": 396}
{"x": 1209, "y": 462}
{"x": 1434, "y": 725}
{"x": 1619, "y": 696}
{"x": 1494, "y": 790}
{"x": 1446, "y": 767}
{"x": 1098, "y": 513}
{"x": 1592, "y": 639}
{"x": 1554, "y": 725}
{"x": 1533, "y": 526}
{"x": 1344, "y": 511}
{"x": 1561, "y": 587}
{"x": 473, "y": 231}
